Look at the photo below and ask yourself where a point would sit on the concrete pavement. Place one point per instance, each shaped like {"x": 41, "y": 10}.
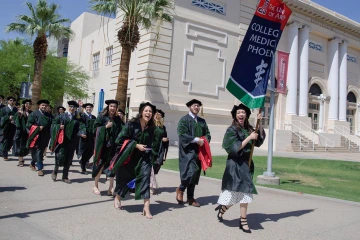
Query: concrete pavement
{"x": 33, "y": 207}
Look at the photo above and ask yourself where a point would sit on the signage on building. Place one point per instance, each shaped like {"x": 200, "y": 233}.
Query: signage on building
{"x": 283, "y": 60}
{"x": 249, "y": 76}
{"x": 25, "y": 90}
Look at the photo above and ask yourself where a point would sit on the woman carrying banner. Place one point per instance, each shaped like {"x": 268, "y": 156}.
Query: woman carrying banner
{"x": 21, "y": 135}
{"x": 159, "y": 148}
{"x": 134, "y": 165}
{"x": 107, "y": 126}
{"x": 237, "y": 185}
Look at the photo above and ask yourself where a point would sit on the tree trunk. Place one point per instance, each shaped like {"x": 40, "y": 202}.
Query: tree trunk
{"x": 40, "y": 49}
{"x": 36, "y": 86}
{"x": 122, "y": 86}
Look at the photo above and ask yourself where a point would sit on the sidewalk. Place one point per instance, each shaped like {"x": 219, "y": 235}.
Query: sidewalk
{"x": 216, "y": 150}
{"x": 35, "y": 207}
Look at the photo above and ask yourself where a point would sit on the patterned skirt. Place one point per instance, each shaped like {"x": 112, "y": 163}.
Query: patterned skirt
{"x": 230, "y": 198}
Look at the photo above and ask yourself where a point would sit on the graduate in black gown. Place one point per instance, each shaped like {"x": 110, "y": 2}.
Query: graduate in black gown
{"x": 2, "y": 98}
{"x": 60, "y": 110}
{"x": 70, "y": 123}
{"x": 7, "y": 127}
{"x": 237, "y": 185}
{"x": 21, "y": 135}
{"x": 38, "y": 126}
{"x": 106, "y": 128}
{"x": 139, "y": 131}
{"x": 86, "y": 145}
{"x": 191, "y": 128}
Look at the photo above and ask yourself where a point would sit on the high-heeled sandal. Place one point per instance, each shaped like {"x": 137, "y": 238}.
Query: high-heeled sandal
{"x": 221, "y": 211}
{"x": 241, "y": 225}
{"x": 148, "y": 217}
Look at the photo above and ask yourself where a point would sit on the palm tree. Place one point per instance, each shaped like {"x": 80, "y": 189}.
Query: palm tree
{"x": 136, "y": 14}
{"x": 43, "y": 21}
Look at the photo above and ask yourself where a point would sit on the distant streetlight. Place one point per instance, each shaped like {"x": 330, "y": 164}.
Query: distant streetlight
{"x": 28, "y": 66}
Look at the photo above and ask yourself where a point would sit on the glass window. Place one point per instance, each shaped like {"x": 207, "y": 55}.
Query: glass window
{"x": 109, "y": 53}
{"x": 96, "y": 59}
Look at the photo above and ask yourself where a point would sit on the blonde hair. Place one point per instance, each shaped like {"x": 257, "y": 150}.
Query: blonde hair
{"x": 159, "y": 123}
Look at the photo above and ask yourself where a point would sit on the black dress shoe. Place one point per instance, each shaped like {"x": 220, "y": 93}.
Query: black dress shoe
{"x": 66, "y": 180}
{"x": 53, "y": 176}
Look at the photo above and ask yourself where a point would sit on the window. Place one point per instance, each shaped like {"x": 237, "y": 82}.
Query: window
{"x": 93, "y": 98}
{"x": 313, "y": 106}
{"x": 96, "y": 59}
{"x": 109, "y": 53}
{"x": 208, "y": 5}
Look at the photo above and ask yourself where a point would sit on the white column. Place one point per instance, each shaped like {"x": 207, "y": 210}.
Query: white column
{"x": 333, "y": 79}
{"x": 321, "y": 99}
{"x": 304, "y": 70}
{"x": 358, "y": 119}
{"x": 292, "y": 76}
{"x": 343, "y": 81}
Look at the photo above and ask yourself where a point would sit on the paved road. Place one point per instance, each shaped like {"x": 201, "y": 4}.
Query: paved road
{"x": 33, "y": 207}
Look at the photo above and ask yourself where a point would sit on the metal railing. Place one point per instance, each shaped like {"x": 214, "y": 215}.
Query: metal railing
{"x": 297, "y": 132}
{"x": 322, "y": 138}
{"x": 349, "y": 135}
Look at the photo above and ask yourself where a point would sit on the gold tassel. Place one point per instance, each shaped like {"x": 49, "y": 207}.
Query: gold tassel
{"x": 202, "y": 112}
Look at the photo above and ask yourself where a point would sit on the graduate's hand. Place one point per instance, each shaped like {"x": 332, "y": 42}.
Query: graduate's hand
{"x": 61, "y": 126}
{"x": 254, "y": 136}
{"x": 83, "y": 135}
{"x": 141, "y": 147}
{"x": 109, "y": 124}
{"x": 200, "y": 142}
{"x": 41, "y": 128}
{"x": 165, "y": 139}
{"x": 11, "y": 117}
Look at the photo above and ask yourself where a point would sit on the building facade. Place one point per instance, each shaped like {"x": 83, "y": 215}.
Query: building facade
{"x": 194, "y": 55}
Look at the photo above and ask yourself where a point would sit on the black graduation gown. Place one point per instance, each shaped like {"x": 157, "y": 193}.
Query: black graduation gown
{"x": 7, "y": 129}
{"x": 238, "y": 176}
{"x": 86, "y": 145}
{"x": 21, "y": 135}
{"x": 189, "y": 164}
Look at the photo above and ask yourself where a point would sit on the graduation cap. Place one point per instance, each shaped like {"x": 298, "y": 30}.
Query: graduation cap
{"x": 2, "y": 96}
{"x": 63, "y": 108}
{"x": 26, "y": 101}
{"x": 161, "y": 112}
{"x": 9, "y": 98}
{"x": 120, "y": 110}
{"x": 144, "y": 104}
{"x": 240, "y": 106}
{"x": 194, "y": 101}
{"x": 88, "y": 104}
{"x": 73, "y": 103}
{"x": 110, "y": 101}
{"x": 43, "y": 101}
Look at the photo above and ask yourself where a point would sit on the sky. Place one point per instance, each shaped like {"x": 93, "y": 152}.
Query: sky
{"x": 73, "y": 8}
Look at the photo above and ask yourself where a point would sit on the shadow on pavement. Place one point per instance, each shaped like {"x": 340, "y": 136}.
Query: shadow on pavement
{"x": 166, "y": 189}
{"x": 28, "y": 214}
{"x": 255, "y": 219}
{"x": 154, "y": 208}
{"x": 207, "y": 199}
{"x": 11, "y": 189}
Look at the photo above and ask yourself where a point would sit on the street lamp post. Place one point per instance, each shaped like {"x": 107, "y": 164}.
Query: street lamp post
{"x": 28, "y": 66}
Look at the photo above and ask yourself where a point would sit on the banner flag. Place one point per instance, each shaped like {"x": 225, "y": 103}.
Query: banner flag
{"x": 250, "y": 73}
{"x": 283, "y": 61}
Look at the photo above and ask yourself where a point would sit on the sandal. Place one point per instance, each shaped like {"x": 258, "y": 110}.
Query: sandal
{"x": 221, "y": 211}
{"x": 110, "y": 193}
{"x": 96, "y": 191}
{"x": 20, "y": 164}
{"x": 242, "y": 224}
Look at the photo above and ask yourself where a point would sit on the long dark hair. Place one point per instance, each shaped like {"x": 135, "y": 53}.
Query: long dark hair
{"x": 151, "y": 122}
{"x": 247, "y": 125}
{"x": 105, "y": 112}
{"x": 22, "y": 114}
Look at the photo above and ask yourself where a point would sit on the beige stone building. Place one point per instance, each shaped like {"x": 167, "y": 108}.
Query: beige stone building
{"x": 194, "y": 56}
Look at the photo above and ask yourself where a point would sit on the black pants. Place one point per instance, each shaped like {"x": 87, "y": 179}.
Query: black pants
{"x": 190, "y": 189}
{"x": 68, "y": 161}
{"x": 85, "y": 158}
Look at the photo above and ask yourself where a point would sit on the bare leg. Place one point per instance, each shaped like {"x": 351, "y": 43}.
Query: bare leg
{"x": 117, "y": 202}
{"x": 146, "y": 211}
{"x": 111, "y": 186}
{"x": 95, "y": 189}
{"x": 243, "y": 211}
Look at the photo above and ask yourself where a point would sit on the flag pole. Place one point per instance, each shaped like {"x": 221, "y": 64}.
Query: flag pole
{"x": 253, "y": 144}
